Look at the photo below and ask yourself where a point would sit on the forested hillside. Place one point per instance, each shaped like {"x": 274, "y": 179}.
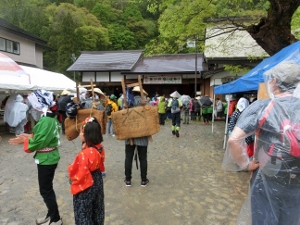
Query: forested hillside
{"x": 157, "y": 26}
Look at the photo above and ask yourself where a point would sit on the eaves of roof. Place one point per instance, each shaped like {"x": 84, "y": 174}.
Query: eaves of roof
{"x": 9, "y": 27}
{"x": 106, "y": 61}
{"x": 232, "y": 60}
{"x": 178, "y": 63}
{"x": 207, "y": 74}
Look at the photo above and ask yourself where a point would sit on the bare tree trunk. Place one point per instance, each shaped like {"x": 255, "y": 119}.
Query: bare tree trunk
{"x": 274, "y": 32}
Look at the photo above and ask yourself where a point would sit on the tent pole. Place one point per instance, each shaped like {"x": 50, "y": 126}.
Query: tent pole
{"x": 213, "y": 116}
{"x": 226, "y": 125}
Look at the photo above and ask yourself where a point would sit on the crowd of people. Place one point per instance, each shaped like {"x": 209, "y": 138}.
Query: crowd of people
{"x": 272, "y": 124}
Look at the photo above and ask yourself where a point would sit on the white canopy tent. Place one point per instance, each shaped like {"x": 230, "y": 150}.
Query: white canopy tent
{"x": 48, "y": 80}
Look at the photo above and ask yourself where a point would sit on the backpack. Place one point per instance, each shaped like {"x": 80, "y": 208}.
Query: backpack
{"x": 284, "y": 164}
{"x": 108, "y": 109}
{"x": 197, "y": 106}
{"x": 175, "y": 106}
{"x": 186, "y": 106}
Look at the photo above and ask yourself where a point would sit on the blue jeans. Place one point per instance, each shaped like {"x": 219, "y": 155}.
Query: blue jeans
{"x": 110, "y": 127}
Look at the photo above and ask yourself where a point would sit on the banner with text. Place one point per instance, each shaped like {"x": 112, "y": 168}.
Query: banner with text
{"x": 156, "y": 79}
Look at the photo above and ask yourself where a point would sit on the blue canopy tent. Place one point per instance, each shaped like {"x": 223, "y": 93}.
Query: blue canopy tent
{"x": 250, "y": 81}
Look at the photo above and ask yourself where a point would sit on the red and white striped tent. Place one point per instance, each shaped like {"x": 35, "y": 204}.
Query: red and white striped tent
{"x": 12, "y": 76}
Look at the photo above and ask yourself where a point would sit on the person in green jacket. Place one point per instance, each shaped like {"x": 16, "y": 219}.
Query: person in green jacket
{"x": 162, "y": 110}
{"x": 210, "y": 112}
{"x": 44, "y": 142}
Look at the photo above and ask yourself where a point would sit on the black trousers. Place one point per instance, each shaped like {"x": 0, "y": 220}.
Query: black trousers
{"x": 45, "y": 177}
{"x": 64, "y": 116}
{"x": 142, "y": 155}
{"x": 162, "y": 118}
{"x": 205, "y": 117}
{"x": 176, "y": 119}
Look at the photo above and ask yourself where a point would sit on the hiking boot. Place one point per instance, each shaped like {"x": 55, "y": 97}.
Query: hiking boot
{"x": 173, "y": 132}
{"x": 144, "y": 183}
{"x": 42, "y": 220}
{"x": 177, "y": 133}
{"x": 127, "y": 183}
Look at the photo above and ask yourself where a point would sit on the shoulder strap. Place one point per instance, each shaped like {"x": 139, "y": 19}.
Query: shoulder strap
{"x": 266, "y": 114}
{"x": 262, "y": 121}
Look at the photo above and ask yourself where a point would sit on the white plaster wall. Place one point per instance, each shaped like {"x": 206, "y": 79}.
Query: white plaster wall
{"x": 102, "y": 76}
{"x": 28, "y": 51}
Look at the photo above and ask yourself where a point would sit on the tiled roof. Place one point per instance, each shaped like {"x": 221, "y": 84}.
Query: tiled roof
{"x": 9, "y": 27}
{"x": 106, "y": 61}
{"x": 179, "y": 63}
{"x": 134, "y": 62}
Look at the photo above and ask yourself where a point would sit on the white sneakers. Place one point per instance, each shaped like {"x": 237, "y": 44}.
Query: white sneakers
{"x": 56, "y": 223}
{"x": 46, "y": 221}
{"x": 42, "y": 220}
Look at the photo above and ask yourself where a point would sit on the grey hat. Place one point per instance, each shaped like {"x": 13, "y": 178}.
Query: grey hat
{"x": 287, "y": 72}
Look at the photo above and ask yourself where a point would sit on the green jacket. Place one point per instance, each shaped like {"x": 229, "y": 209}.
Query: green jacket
{"x": 45, "y": 135}
{"x": 210, "y": 110}
{"x": 225, "y": 107}
{"x": 162, "y": 105}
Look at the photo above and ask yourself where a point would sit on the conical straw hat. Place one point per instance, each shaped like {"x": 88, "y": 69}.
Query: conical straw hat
{"x": 175, "y": 94}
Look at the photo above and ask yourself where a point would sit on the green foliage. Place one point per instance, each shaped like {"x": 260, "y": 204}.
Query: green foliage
{"x": 235, "y": 69}
{"x": 27, "y": 15}
{"x": 184, "y": 20}
{"x": 161, "y": 45}
{"x": 158, "y": 26}
{"x": 295, "y": 24}
{"x": 72, "y": 30}
{"x": 93, "y": 38}
{"x": 131, "y": 12}
{"x": 105, "y": 14}
{"x": 88, "y": 4}
{"x": 121, "y": 38}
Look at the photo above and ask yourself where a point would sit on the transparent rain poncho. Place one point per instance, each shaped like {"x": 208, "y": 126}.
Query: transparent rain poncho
{"x": 185, "y": 99}
{"x": 274, "y": 190}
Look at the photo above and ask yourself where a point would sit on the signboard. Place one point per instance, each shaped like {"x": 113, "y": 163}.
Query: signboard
{"x": 156, "y": 79}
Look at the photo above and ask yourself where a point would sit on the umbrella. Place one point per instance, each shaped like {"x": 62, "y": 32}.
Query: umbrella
{"x": 185, "y": 99}
{"x": 12, "y": 76}
{"x": 205, "y": 101}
